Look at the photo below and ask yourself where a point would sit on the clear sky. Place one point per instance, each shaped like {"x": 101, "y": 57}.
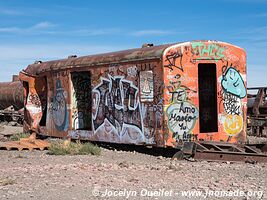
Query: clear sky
{"x": 52, "y": 29}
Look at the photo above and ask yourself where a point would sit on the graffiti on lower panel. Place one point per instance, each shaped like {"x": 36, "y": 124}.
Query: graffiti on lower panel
{"x": 208, "y": 51}
{"x": 80, "y": 134}
{"x": 158, "y": 110}
{"x": 117, "y": 107}
{"x": 58, "y": 108}
{"x": 234, "y": 91}
{"x": 233, "y": 124}
{"x": 78, "y": 120}
{"x": 152, "y": 118}
{"x": 182, "y": 115}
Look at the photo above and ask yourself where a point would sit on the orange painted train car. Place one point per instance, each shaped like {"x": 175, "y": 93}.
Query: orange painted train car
{"x": 154, "y": 95}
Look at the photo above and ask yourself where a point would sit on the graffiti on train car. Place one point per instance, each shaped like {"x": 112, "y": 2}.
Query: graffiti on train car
{"x": 116, "y": 100}
{"x": 33, "y": 105}
{"x": 158, "y": 110}
{"x": 182, "y": 115}
{"x": 146, "y": 85}
{"x": 152, "y": 118}
{"x": 174, "y": 60}
{"x": 132, "y": 71}
{"x": 150, "y": 95}
{"x": 234, "y": 91}
{"x": 233, "y": 124}
{"x": 34, "y": 100}
{"x": 232, "y": 104}
{"x": 58, "y": 108}
{"x": 81, "y": 104}
{"x": 208, "y": 51}
{"x": 233, "y": 83}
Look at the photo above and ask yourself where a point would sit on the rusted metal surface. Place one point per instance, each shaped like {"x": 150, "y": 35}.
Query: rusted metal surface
{"x": 12, "y": 115}
{"x": 205, "y": 92}
{"x": 229, "y": 152}
{"x": 230, "y": 156}
{"x": 11, "y": 101}
{"x": 257, "y": 111}
{"x": 257, "y": 103}
{"x": 11, "y": 94}
{"x": 221, "y": 151}
{"x": 25, "y": 144}
{"x": 153, "y": 95}
{"x": 145, "y": 53}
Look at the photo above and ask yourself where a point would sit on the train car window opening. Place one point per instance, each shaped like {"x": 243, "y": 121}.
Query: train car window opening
{"x": 44, "y": 104}
{"x": 146, "y": 86}
{"x": 81, "y": 100}
{"x": 207, "y": 83}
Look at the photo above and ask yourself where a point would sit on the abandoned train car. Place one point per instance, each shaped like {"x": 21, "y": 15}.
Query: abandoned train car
{"x": 154, "y": 95}
{"x": 11, "y": 94}
{"x": 11, "y": 101}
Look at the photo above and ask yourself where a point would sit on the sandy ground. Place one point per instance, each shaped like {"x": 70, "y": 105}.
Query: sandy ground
{"x": 126, "y": 174}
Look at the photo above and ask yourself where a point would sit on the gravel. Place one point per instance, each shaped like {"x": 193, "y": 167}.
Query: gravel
{"x": 36, "y": 175}
{"x": 124, "y": 175}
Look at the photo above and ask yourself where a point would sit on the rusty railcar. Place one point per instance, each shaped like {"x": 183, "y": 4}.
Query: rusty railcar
{"x": 11, "y": 94}
{"x": 11, "y": 101}
{"x": 154, "y": 95}
{"x": 257, "y": 111}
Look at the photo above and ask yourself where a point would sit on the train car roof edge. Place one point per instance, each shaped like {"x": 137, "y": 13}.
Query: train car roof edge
{"x": 145, "y": 53}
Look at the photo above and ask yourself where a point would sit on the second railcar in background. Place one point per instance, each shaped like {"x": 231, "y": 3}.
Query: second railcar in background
{"x": 154, "y": 95}
{"x": 11, "y": 94}
{"x": 11, "y": 101}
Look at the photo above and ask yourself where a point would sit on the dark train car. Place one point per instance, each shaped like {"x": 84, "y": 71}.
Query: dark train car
{"x": 257, "y": 111}
{"x": 155, "y": 95}
{"x": 11, "y": 94}
{"x": 11, "y": 101}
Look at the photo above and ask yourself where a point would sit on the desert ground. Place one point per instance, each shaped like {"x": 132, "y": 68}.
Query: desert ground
{"x": 120, "y": 174}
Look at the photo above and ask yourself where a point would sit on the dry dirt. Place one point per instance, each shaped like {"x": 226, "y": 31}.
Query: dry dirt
{"x": 6, "y": 130}
{"x": 37, "y": 175}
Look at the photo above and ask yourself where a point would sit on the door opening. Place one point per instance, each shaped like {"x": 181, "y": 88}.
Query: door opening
{"x": 81, "y": 101}
{"x": 26, "y": 90}
{"x": 207, "y": 90}
{"x": 43, "y": 99}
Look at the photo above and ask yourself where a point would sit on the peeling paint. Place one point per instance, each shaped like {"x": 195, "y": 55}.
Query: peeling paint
{"x": 143, "y": 96}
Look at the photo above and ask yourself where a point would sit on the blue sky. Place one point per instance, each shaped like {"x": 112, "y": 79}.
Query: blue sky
{"x": 52, "y": 29}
